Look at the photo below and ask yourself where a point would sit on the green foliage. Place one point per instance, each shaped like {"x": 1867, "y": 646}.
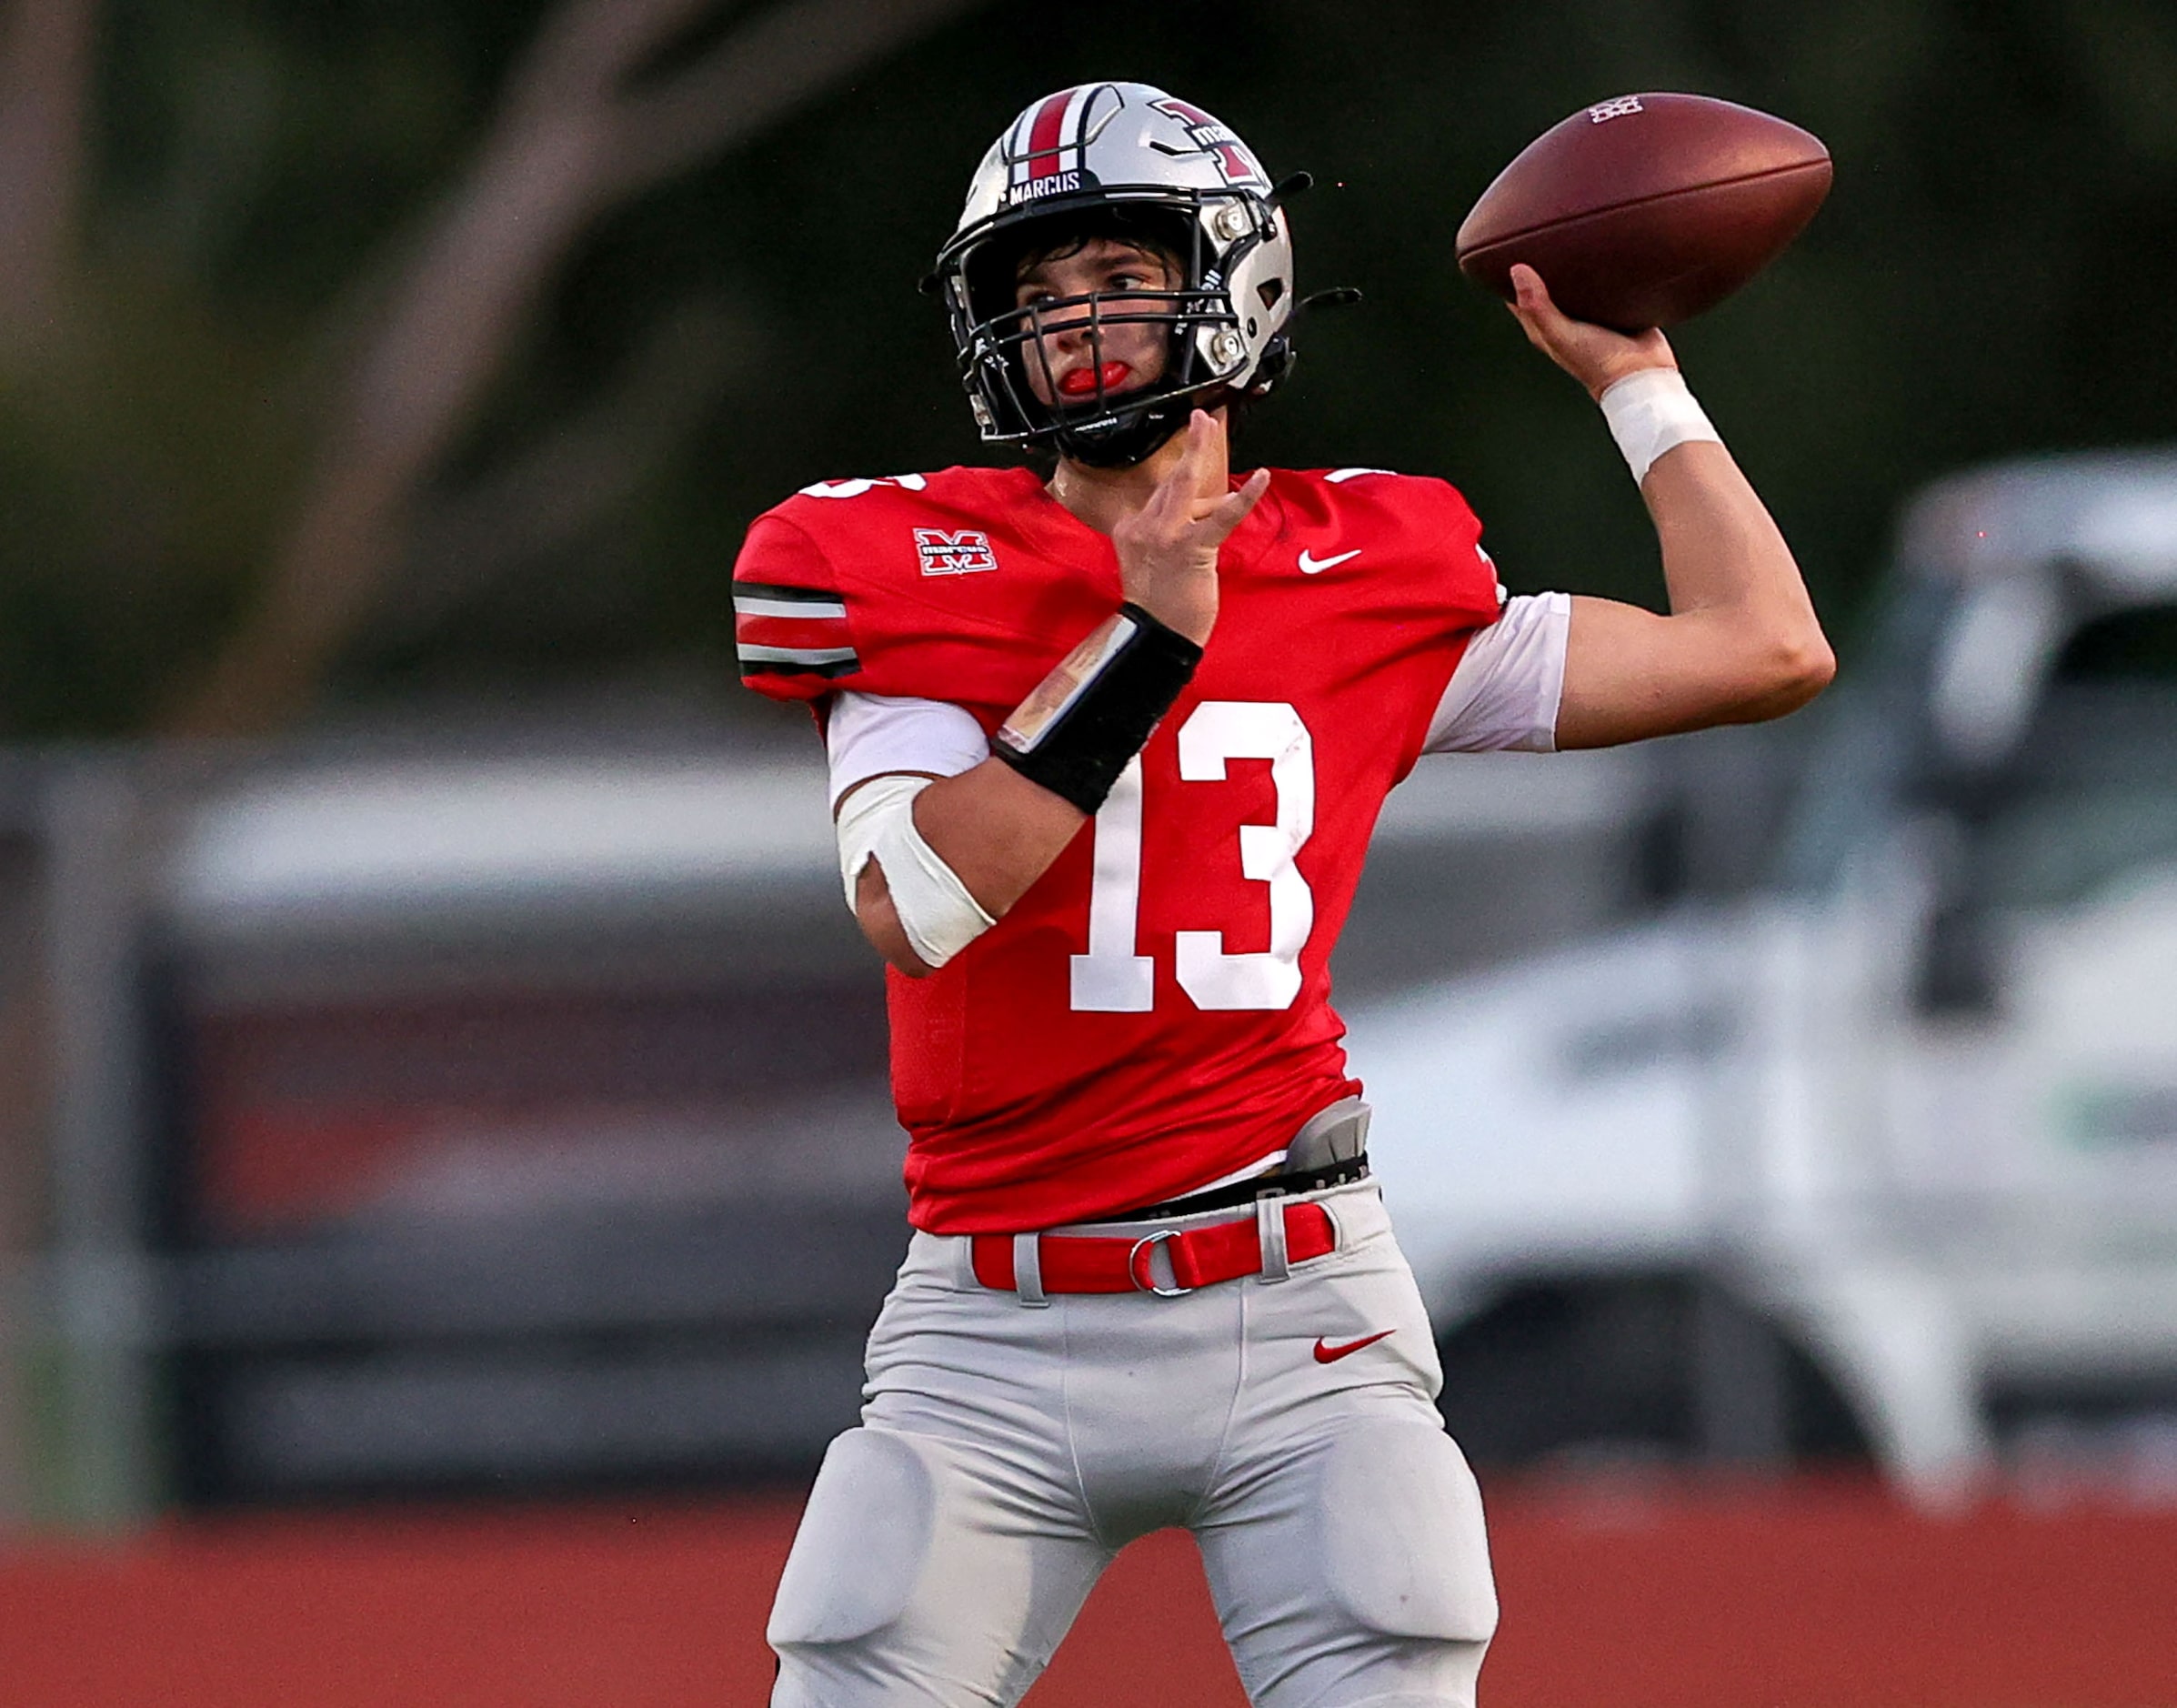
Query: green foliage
{"x": 245, "y": 173}
{"x": 1992, "y": 275}
{"x": 142, "y": 468}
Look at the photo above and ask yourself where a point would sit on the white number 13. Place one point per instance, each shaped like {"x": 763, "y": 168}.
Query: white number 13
{"x": 1111, "y": 977}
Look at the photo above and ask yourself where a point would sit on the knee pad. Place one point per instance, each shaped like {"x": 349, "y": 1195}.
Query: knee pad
{"x": 864, "y": 1539}
{"x": 1405, "y": 1550}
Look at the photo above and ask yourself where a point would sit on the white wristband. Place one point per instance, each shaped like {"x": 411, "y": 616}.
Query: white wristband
{"x": 1649, "y": 412}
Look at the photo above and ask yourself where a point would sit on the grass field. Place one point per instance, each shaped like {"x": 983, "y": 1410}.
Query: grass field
{"x": 1808, "y": 1596}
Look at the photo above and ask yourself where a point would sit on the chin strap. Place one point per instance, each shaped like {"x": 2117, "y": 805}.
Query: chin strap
{"x": 1123, "y": 447}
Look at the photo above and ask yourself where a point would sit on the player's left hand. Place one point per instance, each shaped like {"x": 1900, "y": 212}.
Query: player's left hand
{"x": 1595, "y": 355}
{"x": 1167, "y": 549}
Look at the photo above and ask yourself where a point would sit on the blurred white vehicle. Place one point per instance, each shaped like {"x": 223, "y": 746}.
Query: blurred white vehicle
{"x": 1883, "y": 1157}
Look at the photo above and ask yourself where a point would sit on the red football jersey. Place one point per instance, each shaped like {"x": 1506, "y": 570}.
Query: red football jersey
{"x": 1154, "y": 1012}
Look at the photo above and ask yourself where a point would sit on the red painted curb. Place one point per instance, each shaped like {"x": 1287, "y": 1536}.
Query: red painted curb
{"x": 1830, "y": 1596}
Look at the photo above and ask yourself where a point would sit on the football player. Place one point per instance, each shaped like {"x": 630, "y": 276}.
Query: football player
{"x": 1106, "y": 738}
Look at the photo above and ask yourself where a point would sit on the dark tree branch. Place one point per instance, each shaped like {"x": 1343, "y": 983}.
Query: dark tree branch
{"x": 559, "y": 490}
{"x": 568, "y": 141}
{"x": 44, "y": 74}
{"x": 765, "y": 70}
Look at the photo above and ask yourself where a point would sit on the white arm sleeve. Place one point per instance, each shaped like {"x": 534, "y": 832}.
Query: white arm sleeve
{"x": 871, "y": 737}
{"x": 868, "y": 735}
{"x": 1504, "y": 694}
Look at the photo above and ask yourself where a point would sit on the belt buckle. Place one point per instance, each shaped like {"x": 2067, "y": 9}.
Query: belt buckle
{"x": 1138, "y": 1268}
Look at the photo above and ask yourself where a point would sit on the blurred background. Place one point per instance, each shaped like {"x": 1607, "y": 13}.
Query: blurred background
{"x": 435, "y": 1065}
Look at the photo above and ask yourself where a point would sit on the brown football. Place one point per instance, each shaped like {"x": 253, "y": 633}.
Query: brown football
{"x": 1648, "y": 209}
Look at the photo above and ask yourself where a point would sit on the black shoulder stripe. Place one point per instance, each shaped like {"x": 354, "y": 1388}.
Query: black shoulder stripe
{"x": 784, "y": 667}
{"x": 792, "y": 596}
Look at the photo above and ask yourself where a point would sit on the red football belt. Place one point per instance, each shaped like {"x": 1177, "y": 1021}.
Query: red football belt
{"x": 1200, "y": 1257}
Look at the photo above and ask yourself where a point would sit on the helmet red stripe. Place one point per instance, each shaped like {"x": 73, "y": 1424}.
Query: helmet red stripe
{"x": 1186, "y": 110}
{"x": 1043, "y": 135}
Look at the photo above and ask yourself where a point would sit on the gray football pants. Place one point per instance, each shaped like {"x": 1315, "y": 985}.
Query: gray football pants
{"x": 1006, "y": 1452}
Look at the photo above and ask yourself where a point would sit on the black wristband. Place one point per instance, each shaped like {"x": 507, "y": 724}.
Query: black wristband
{"x": 1076, "y": 731}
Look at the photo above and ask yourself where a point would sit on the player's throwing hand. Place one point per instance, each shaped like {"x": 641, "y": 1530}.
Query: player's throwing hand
{"x": 1167, "y": 549}
{"x": 1595, "y": 355}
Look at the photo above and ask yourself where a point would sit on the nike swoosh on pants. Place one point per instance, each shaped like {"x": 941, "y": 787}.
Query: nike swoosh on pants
{"x": 1326, "y": 1353}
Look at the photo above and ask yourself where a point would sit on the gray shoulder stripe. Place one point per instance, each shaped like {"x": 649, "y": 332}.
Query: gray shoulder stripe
{"x": 765, "y": 605}
{"x": 808, "y": 657}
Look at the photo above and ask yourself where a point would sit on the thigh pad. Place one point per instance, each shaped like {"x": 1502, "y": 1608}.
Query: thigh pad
{"x": 1405, "y": 1551}
{"x": 865, "y": 1536}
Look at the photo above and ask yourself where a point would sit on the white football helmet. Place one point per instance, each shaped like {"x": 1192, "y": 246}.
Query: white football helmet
{"x": 1120, "y": 159}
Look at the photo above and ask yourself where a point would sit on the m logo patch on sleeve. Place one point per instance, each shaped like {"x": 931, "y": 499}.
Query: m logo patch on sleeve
{"x": 964, "y": 552}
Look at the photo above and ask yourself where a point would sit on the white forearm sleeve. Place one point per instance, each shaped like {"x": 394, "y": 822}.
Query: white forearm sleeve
{"x": 936, "y": 911}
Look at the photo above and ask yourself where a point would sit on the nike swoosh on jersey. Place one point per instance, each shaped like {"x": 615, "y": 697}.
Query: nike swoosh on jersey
{"x": 1326, "y": 1353}
{"x": 1310, "y": 565}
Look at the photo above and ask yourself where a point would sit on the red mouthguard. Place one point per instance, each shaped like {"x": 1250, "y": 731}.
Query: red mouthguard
{"x": 1082, "y": 381}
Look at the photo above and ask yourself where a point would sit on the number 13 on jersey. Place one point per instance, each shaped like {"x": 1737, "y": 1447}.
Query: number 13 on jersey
{"x": 1112, "y": 978}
